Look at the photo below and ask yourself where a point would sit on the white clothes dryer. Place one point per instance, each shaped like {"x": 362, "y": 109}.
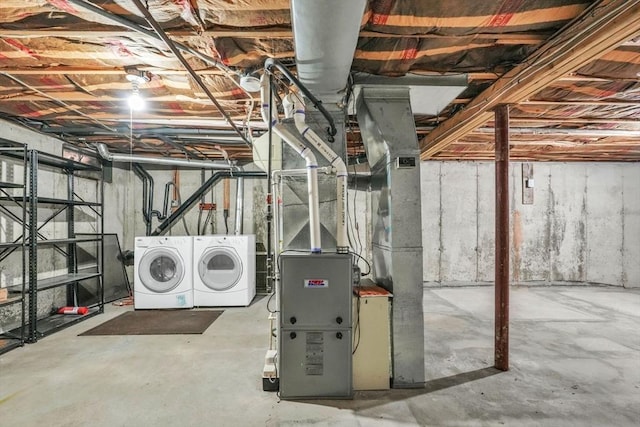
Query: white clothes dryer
{"x": 224, "y": 270}
{"x": 163, "y": 272}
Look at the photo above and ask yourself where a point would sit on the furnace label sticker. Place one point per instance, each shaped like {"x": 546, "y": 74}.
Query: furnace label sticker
{"x": 316, "y": 283}
{"x": 314, "y": 357}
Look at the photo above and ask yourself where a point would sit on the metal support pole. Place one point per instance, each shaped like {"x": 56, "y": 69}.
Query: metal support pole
{"x": 33, "y": 248}
{"x": 501, "y": 354}
{"x": 72, "y": 261}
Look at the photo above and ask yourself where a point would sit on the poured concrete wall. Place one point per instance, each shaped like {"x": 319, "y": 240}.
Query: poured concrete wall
{"x": 190, "y": 181}
{"x": 583, "y": 226}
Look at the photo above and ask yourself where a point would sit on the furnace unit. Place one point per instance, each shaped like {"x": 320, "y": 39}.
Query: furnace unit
{"x": 315, "y": 325}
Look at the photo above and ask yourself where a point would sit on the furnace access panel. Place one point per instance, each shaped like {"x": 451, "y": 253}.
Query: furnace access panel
{"x": 315, "y": 325}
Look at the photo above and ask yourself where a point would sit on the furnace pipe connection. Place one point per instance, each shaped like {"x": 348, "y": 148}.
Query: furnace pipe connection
{"x": 336, "y": 162}
{"x": 310, "y": 161}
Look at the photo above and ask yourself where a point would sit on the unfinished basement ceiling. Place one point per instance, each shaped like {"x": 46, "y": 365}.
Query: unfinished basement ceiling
{"x": 569, "y": 68}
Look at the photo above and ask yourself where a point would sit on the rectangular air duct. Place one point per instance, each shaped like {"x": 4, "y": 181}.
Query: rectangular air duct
{"x": 388, "y": 132}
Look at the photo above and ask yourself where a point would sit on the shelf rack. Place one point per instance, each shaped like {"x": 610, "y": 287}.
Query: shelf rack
{"x": 40, "y": 327}
{"x": 15, "y": 337}
{"x": 22, "y": 206}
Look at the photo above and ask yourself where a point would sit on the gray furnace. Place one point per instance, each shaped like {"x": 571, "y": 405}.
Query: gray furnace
{"x": 315, "y": 325}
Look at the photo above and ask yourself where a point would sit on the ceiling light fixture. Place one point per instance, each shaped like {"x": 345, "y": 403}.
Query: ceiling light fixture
{"x": 250, "y": 81}
{"x": 137, "y": 78}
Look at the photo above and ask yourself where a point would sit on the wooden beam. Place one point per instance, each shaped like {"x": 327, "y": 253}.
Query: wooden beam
{"x": 269, "y": 33}
{"x": 501, "y": 337}
{"x": 61, "y": 70}
{"x": 585, "y": 103}
{"x": 76, "y": 96}
{"x": 600, "y": 29}
{"x": 576, "y": 120}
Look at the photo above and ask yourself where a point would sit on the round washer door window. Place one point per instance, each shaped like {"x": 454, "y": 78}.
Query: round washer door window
{"x": 161, "y": 270}
{"x": 220, "y": 269}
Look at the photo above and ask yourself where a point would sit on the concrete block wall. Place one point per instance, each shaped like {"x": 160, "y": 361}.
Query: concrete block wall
{"x": 583, "y": 226}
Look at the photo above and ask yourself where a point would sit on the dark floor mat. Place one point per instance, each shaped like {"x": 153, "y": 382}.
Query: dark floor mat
{"x": 157, "y": 322}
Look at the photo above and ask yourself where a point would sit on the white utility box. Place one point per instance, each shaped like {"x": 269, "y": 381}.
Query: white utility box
{"x": 371, "y": 338}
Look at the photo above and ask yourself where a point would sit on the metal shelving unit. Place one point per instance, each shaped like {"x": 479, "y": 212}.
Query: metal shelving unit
{"x": 13, "y": 338}
{"x": 37, "y": 325}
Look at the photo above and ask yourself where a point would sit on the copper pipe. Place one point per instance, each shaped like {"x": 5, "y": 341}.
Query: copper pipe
{"x": 501, "y": 353}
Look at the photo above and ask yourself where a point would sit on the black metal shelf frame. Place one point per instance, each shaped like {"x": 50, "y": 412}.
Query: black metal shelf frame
{"x": 16, "y": 337}
{"x": 37, "y": 328}
{"x": 23, "y": 209}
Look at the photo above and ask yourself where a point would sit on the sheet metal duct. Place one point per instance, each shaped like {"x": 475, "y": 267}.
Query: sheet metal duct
{"x": 389, "y": 135}
{"x": 295, "y": 233}
{"x": 325, "y": 34}
{"x": 104, "y": 152}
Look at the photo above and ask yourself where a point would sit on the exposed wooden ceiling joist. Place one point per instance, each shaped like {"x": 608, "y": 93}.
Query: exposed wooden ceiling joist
{"x": 61, "y": 70}
{"x": 602, "y": 28}
{"x": 270, "y": 33}
{"x": 87, "y": 97}
{"x": 574, "y": 120}
{"x": 585, "y": 103}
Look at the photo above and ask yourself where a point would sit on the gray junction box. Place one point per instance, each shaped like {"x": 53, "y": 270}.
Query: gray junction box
{"x": 315, "y": 326}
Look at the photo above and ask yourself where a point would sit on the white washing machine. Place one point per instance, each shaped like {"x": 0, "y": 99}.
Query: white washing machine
{"x": 163, "y": 272}
{"x": 224, "y": 270}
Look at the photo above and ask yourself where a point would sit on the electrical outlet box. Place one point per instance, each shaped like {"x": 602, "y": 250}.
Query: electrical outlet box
{"x": 404, "y": 162}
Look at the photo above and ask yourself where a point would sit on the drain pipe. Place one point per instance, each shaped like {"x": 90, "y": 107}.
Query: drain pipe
{"x": 310, "y": 161}
{"x": 145, "y": 197}
{"x": 104, "y": 152}
{"x": 239, "y": 206}
{"x": 342, "y": 241}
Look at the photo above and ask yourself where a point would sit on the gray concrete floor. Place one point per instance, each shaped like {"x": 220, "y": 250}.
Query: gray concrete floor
{"x": 575, "y": 361}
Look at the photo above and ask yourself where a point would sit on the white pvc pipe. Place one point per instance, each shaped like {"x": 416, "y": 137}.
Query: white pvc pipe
{"x": 342, "y": 240}
{"x": 312, "y": 183}
{"x": 239, "y": 206}
{"x": 265, "y": 102}
{"x": 311, "y": 167}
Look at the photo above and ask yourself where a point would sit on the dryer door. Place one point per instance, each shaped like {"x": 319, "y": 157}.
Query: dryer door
{"x": 220, "y": 268}
{"x": 161, "y": 270}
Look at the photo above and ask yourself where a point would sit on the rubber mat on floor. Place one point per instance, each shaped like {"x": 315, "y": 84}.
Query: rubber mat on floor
{"x": 157, "y": 322}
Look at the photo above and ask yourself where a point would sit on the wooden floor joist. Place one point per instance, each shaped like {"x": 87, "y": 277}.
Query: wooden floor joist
{"x": 601, "y": 28}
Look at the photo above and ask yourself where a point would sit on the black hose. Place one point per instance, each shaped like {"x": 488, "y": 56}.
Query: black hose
{"x": 165, "y": 204}
{"x": 331, "y": 130}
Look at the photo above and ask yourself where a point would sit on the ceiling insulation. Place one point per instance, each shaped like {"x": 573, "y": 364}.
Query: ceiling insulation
{"x": 62, "y": 71}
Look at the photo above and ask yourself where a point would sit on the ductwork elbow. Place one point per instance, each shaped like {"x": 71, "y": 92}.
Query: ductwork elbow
{"x": 103, "y": 151}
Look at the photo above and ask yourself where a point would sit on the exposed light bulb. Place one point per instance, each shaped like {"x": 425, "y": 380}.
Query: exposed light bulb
{"x": 250, "y": 83}
{"x": 136, "y": 102}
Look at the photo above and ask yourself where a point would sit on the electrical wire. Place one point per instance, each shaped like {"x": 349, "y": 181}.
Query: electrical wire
{"x": 269, "y": 301}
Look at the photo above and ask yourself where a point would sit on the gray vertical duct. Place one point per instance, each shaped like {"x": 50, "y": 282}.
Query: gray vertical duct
{"x": 389, "y": 135}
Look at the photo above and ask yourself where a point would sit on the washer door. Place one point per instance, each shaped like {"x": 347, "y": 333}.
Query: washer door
{"x": 161, "y": 270}
{"x": 220, "y": 268}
